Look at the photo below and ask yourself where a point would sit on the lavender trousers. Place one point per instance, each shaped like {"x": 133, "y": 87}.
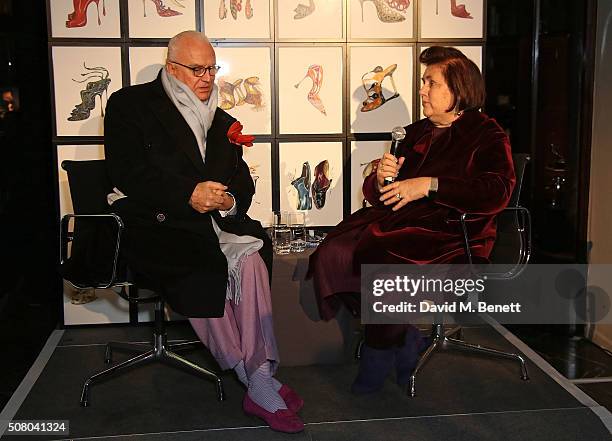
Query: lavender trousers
{"x": 246, "y": 330}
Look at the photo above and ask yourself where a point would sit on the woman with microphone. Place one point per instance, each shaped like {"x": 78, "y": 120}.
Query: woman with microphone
{"x": 457, "y": 159}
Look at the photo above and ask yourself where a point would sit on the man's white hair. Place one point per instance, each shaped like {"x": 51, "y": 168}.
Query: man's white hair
{"x": 175, "y": 42}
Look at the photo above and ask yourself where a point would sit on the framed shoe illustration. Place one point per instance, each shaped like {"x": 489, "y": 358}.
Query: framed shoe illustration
{"x": 309, "y": 84}
{"x": 364, "y": 160}
{"x": 381, "y": 87}
{"x": 451, "y": 19}
{"x": 146, "y": 62}
{"x": 84, "y": 18}
{"x": 245, "y": 88}
{"x": 474, "y": 52}
{"x": 385, "y": 20}
{"x": 161, "y": 18}
{"x": 310, "y": 20}
{"x": 259, "y": 160}
{"x": 311, "y": 180}
{"x": 84, "y": 78}
{"x": 241, "y": 20}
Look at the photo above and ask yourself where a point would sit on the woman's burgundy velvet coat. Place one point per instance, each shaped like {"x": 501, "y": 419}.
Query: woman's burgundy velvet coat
{"x": 473, "y": 163}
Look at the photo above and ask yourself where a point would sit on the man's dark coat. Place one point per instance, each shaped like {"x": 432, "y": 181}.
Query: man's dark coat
{"x": 153, "y": 157}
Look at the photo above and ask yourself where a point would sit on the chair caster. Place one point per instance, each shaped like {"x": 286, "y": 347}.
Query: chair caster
{"x": 85, "y": 396}
{"x": 108, "y": 354}
{"x": 220, "y": 391}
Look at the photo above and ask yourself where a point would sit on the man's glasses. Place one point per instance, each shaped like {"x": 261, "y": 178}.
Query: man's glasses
{"x": 199, "y": 71}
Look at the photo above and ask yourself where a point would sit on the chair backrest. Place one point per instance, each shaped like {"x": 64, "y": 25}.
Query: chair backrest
{"x": 89, "y": 185}
{"x": 513, "y": 242}
{"x": 520, "y": 161}
{"x": 94, "y": 244}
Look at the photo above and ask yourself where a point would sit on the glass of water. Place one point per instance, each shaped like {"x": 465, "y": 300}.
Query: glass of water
{"x": 298, "y": 232}
{"x": 281, "y": 233}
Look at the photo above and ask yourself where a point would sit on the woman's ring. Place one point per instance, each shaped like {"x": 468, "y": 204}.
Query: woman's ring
{"x": 398, "y": 196}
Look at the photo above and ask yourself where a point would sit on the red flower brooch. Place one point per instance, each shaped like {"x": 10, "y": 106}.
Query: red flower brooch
{"x": 235, "y": 136}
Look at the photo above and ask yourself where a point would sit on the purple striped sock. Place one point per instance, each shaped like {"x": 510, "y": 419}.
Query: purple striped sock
{"x": 262, "y": 389}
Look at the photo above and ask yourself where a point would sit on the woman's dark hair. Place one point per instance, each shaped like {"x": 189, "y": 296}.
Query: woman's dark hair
{"x": 461, "y": 75}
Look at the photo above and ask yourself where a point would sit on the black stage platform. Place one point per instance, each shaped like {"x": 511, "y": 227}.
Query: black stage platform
{"x": 460, "y": 397}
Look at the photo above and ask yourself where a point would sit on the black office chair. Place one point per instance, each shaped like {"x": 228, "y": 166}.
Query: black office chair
{"x": 510, "y": 256}
{"x": 95, "y": 262}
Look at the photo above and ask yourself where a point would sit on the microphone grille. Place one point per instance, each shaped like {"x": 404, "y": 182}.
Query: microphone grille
{"x": 398, "y": 133}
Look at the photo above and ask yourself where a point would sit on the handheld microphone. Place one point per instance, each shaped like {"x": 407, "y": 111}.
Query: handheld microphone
{"x": 397, "y": 135}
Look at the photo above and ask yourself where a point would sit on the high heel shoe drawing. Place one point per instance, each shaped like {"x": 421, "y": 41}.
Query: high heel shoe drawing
{"x": 302, "y": 185}
{"x": 315, "y": 73}
{"x": 222, "y": 10}
{"x": 162, "y": 10}
{"x": 232, "y": 94}
{"x": 248, "y": 9}
{"x": 254, "y": 177}
{"x": 459, "y": 10}
{"x": 385, "y": 13}
{"x": 302, "y": 10}
{"x": 400, "y": 5}
{"x": 368, "y": 168}
{"x": 226, "y": 94}
{"x": 235, "y": 7}
{"x": 78, "y": 17}
{"x": 321, "y": 183}
{"x": 238, "y": 92}
{"x": 254, "y": 96}
{"x": 372, "y": 83}
{"x": 88, "y": 96}
{"x": 178, "y": 3}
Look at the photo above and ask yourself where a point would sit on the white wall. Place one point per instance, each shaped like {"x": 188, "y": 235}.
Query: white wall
{"x": 600, "y": 207}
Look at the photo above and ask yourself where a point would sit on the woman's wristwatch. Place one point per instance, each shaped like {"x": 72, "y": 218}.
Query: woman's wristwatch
{"x": 433, "y": 188}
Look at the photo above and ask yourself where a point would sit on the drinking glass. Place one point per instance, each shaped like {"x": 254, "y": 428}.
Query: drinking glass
{"x": 281, "y": 233}
{"x": 298, "y": 231}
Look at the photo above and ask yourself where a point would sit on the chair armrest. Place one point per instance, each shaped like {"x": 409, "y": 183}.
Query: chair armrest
{"x": 523, "y": 229}
{"x": 65, "y": 238}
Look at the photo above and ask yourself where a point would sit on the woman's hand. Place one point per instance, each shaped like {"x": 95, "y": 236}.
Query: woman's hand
{"x": 402, "y": 192}
{"x": 388, "y": 167}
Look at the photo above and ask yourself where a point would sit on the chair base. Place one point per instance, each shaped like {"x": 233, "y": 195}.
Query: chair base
{"x": 442, "y": 340}
{"x": 159, "y": 351}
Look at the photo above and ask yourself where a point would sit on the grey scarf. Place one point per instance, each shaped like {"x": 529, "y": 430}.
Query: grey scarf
{"x": 198, "y": 114}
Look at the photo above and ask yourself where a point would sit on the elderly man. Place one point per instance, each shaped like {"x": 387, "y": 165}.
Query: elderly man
{"x": 183, "y": 189}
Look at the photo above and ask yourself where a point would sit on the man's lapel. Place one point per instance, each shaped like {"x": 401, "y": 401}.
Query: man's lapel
{"x": 176, "y": 126}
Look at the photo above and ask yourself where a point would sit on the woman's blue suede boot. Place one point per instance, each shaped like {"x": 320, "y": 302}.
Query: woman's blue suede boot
{"x": 374, "y": 366}
{"x": 407, "y": 356}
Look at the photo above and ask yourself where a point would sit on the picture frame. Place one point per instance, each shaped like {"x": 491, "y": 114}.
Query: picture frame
{"x": 253, "y": 22}
{"x": 451, "y": 19}
{"x": 156, "y": 19}
{"x": 83, "y": 79}
{"x": 371, "y": 20}
{"x": 245, "y": 85}
{"x": 318, "y": 110}
{"x": 146, "y": 62}
{"x": 100, "y": 19}
{"x": 381, "y": 87}
{"x": 318, "y": 162}
{"x": 362, "y": 155}
{"x": 310, "y": 20}
{"x": 474, "y": 52}
{"x": 259, "y": 159}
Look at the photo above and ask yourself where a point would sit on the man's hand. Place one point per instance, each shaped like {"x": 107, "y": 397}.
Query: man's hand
{"x": 388, "y": 167}
{"x": 399, "y": 193}
{"x": 208, "y": 196}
